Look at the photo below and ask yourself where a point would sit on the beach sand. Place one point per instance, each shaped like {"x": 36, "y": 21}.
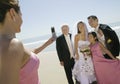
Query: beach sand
{"x": 50, "y": 70}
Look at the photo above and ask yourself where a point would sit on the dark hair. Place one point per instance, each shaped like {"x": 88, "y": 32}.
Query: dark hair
{"x": 93, "y": 17}
{"x": 6, "y": 5}
{"x": 94, "y": 35}
{"x": 78, "y": 31}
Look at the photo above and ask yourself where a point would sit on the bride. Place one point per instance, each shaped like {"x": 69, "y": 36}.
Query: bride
{"x": 83, "y": 69}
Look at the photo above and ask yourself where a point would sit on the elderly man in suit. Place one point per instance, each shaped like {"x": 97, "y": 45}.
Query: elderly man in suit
{"x": 65, "y": 52}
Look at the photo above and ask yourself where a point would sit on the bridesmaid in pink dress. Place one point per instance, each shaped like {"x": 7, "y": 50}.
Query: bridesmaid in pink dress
{"x": 17, "y": 64}
{"x": 107, "y": 71}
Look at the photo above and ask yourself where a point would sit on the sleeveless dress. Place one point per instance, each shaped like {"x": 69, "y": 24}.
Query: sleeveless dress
{"x": 29, "y": 73}
{"x": 83, "y": 69}
{"x": 107, "y": 71}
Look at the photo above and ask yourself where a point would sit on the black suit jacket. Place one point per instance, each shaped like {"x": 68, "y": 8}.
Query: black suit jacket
{"x": 62, "y": 49}
{"x": 111, "y": 39}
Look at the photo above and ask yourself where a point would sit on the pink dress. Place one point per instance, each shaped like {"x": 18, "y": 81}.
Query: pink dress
{"x": 29, "y": 73}
{"x": 107, "y": 71}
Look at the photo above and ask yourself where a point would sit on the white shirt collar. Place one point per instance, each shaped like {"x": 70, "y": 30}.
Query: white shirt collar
{"x": 96, "y": 29}
{"x": 66, "y": 35}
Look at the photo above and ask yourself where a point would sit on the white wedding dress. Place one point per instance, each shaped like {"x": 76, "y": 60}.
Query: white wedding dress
{"x": 83, "y": 69}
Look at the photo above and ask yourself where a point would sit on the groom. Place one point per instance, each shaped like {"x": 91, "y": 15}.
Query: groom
{"x": 106, "y": 36}
{"x": 65, "y": 52}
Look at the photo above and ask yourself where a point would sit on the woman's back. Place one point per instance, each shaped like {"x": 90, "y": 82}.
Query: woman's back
{"x": 11, "y": 54}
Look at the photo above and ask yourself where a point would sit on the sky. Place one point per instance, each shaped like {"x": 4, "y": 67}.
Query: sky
{"x": 40, "y": 15}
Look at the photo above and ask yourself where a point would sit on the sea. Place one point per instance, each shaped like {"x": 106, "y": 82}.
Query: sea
{"x": 35, "y": 42}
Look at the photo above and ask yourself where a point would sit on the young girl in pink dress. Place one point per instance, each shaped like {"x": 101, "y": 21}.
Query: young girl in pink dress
{"x": 107, "y": 71}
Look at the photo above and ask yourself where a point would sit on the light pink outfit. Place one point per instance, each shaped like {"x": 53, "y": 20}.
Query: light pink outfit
{"x": 107, "y": 71}
{"x": 29, "y": 73}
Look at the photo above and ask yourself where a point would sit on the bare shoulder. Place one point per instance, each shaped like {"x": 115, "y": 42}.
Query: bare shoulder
{"x": 100, "y": 44}
{"x": 77, "y": 36}
{"x": 16, "y": 47}
{"x": 16, "y": 41}
{"x": 16, "y": 44}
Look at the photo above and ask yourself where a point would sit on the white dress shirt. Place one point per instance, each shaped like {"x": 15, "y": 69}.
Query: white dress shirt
{"x": 70, "y": 46}
{"x": 100, "y": 38}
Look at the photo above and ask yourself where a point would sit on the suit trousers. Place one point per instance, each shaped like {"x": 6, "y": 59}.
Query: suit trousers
{"x": 68, "y": 70}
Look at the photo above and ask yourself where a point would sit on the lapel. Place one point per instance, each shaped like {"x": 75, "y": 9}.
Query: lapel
{"x": 105, "y": 32}
{"x": 102, "y": 27}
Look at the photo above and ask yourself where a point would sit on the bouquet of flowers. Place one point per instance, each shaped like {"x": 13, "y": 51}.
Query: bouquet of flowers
{"x": 86, "y": 50}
